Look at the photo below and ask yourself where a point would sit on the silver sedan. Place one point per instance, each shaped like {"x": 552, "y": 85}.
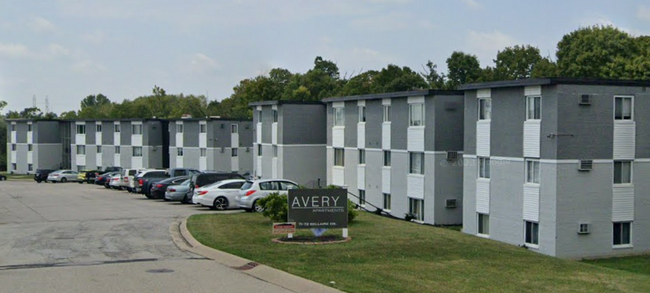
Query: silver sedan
{"x": 177, "y": 192}
{"x": 62, "y": 176}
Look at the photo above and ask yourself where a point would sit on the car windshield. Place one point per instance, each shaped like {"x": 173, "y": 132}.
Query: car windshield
{"x": 247, "y": 185}
{"x": 186, "y": 182}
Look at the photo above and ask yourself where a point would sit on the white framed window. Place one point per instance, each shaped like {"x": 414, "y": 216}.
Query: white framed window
{"x": 387, "y": 158}
{"x": 81, "y": 167}
{"x": 339, "y": 116}
{"x": 484, "y": 109}
{"x": 362, "y": 197}
{"x": 13, "y": 147}
{"x": 275, "y": 151}
{"x": 179, "y": 152}
{"x": 233, "y": 152}
{"x": 203, "y": 152}
{"x": 416, "y": 208}
{"x": 203, "y": 128}
{"x": 30, "y": 167}
{"x": 117, "y": 128}
{"x": 339, "y": 157}
{"x": 179, "y": 128}
{"x": 623, "y": 108}
{"x": 99, "y": 149}
{"x": 98, "y": 128}
{"x": 622, "y": 172}
{"x": 29, "y": 148}
{"x": 117, "y": 150}
{"x": 81, "y": 150}
{"x": 483, "y": 224}
{"x": 29, "y": 127}
{"x": 532, "y": 171}
{"x": 484, "y": 167}
{"x": 137, "y": 151}
{"x": 362, "y": 114}
{"x": 234, "y": 128}
{"x": 14, "y": 166}
{"x": 259, "y": 150}
{"x": 259, "y": 116}
{"x": 531, "y": 233}
{"x": 275, "y": 116}
{"x": 416, "y": 163}
{"x": 622, "y": 233}
{"x": 13, "y": 128}
{"x": 533, "y": 108}
{"x": 362, "y": 157}
{"x": 136, "y": 129}
{"x": 416, "y": 114}
{"x": 386, "y": 116}
{"x": 81, "y": 129}
{"x": 386, "y": 201}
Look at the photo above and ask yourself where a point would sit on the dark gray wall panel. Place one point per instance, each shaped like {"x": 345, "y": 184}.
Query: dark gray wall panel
{"x": 449, "y": 124}
{"x": 374, "y": 120}
{"x": 351, "y": 119}
{"x": 471, "y": 116}
{"x": 507, "y": 125}
{"x": 302, "y": 124}
{"x": 399, "y": 118}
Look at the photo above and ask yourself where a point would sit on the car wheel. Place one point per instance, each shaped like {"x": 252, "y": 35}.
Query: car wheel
{"x": 257, "y": 208}
{"x": 63, "y": 180}
{"x": 248, "y": 210}
{"x": 81, "y": 182}
{"x": 53, "y": 181}
{"x": 220, "y": 203}
{"x": 38, "y": 181}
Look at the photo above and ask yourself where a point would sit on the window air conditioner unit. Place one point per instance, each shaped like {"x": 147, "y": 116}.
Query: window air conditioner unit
{"x": 585, "y": 100}
{"x": 452, "y": 155}
{"x": 450, "y": 203}
{"x": 586, "y": 165}
{"x": 584, "y": 228}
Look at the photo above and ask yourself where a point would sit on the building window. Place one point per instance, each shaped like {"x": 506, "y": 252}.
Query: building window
{"x": 362, "y": 114}
{"x": 484, "y": 168}
{"x": 99, "y": 168}
{"x": 14, "y": 166}
{"x": 416, "y": 114}
{"x": 30, "y": 167}
{"x": 29, "y": 147}
{"x": 485, "y": 109}
{"x": 136, "y": 129}
{"x": 179, "y": 152}
{"x": 137, "y": 151}
{"x": 81, "y": 129}
{"x": 275, "y": 151}
{"x": 117, "y": 150}
{"x": 362, "y": 157}
{"x": 339, "y": 117}
{"x": 234, "y": 152}
{"x": 386, "y": 158}
{"x": 532, "y": 171}
{"x": 386, "y": 201}
{"x": 623, "y": 108}
{"x": 234, "y": 128}
{"x": 29, "y": 127}
{"x": 532, "y": 233}
{"x": 81, "y": 168}
{"x": 386, "y": 113}
{"x": 179, "y": 128}
{"x": 13, "y": 147}
{"x": 483, "y": 224}
{"x": 81, "y": 150}
{"x": 259, "y": 150}
{"x": 117, "y": 128}
{"x": 203, "y": 128}
{"x": 275, "y": 116}
{"x": 99, "y": 149}
{"x": 339, "y": 157}
{"x": 259, "y": 116}
{"x": 533, "y": 108}
{"x": 203, "y": 152}
{"x": 622, "y": 172}
{"x": 98, "y": 128}
{"x": 416, "y": 208}
{"x": 13, "y": 128}
{"x": 622, "y": 233}
{"x": 362, "y": 197}
{"x": 416, "y": 163}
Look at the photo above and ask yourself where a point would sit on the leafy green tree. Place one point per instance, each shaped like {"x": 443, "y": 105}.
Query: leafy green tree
{"x": 516, "y": 62}
{"x": 545, "y": 68}
{"x": 360, "y": 84}
{"x": 463, "y": 68}
{"x": 433, "y": 78}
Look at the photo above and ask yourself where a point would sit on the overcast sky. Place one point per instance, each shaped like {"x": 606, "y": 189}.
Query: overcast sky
{"x": 68, "y": 49}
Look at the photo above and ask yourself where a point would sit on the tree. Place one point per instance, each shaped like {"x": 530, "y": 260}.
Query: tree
{"x": 545, "y": 68}
{"x": 359, "y": 85}
{"x": 433, "y": 78}
{"x": 516, "y": 62}
{"x": 463, "y": 68}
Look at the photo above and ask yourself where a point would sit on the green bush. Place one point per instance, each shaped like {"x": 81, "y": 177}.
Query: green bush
{"x": 276, "y": 208}
{"x": 352, "y": 211}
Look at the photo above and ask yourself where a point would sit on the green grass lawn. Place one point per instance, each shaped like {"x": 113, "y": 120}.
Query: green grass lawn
{"x": 635, "y": 264}
{"x": 18, "y": 176}
{"x": 396, "y": 256}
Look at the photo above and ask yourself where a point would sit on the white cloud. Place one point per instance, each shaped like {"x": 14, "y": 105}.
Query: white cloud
{"x": 88, "y": 66}
{"x": 486, "y": 45}
{"x": 56, "y": 50}
{"x": 643, "y": 13}
{"x": 199, "y": 63}
{"x": 15, "y": 51}
{"x": 96, "y": 37}
{"x": 41, "y": 24}
{"x": 473, "y": 4}
{"x": 390, "y": 22}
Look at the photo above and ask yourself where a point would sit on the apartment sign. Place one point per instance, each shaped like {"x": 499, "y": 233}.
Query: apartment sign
{"x": 318, "y": 208}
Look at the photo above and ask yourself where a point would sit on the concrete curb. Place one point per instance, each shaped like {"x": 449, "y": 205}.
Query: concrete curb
{"x": 184, "y": 240}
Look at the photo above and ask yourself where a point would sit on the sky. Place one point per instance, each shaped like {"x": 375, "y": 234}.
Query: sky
{"x": 66, "y": 50}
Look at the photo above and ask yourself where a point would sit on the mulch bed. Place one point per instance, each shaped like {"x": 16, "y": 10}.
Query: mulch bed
{"x": 312, "y": 240}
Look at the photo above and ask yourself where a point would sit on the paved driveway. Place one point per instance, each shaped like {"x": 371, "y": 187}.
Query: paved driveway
{"x": 85, "y": 238}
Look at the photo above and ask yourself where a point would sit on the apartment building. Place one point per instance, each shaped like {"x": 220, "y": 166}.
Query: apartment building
{"x": 126, "y": 143}
{"x": 37, "y": 144}
{"x": 289, "y": 141}
{"x": 559, "y": 165}
{"x": 399, "y": 151}
{"x": 211, "y": 144}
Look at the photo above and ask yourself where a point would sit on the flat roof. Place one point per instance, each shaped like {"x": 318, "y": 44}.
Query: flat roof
{"x": 210, "y": 119}
{"x": 427, "y": 92}
{"x": 283, "y": 102}
{"x": 553, "y": 81}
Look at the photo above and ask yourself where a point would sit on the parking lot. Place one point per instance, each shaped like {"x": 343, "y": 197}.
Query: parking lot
{"x": 70, "y": 230}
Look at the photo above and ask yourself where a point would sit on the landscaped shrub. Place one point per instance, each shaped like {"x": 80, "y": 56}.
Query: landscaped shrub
{"x": 352, "y": 211}
{"x": 276, "y": 208}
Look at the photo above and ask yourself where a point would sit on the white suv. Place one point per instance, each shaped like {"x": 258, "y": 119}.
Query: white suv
{"x": 254, "y": 190}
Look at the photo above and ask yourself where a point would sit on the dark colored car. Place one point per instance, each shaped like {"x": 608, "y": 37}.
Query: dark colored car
{"x": 104, "y": 179}
{"x": 158, "y": 189}
{"x": 41, "y": 175}
{"x": 203, "y": 179}
{"x": 87, "y": 176}
{"x": 147, "y": 177}
{"x": 112, "y": 169}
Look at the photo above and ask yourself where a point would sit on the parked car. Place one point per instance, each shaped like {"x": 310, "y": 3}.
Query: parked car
{"x": 114, "y": 181}
{"x": 145, "y": 179}
{"x": 3, "y": 177}
{"x": 62, "y": 176}
{"x": 112, "y": 169}
{"x": 128, "y": 178}
{"x": 177, "y": 192}
{"x": 159, "y": 188}
{"x": 87, "y": 176}
{"x": 220, "y": 195}
{"x": 104, "y": 179}
{"x": 41, "y": 175}
{"x": 253, "y": 190}
{"x": 203, "y": 179}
